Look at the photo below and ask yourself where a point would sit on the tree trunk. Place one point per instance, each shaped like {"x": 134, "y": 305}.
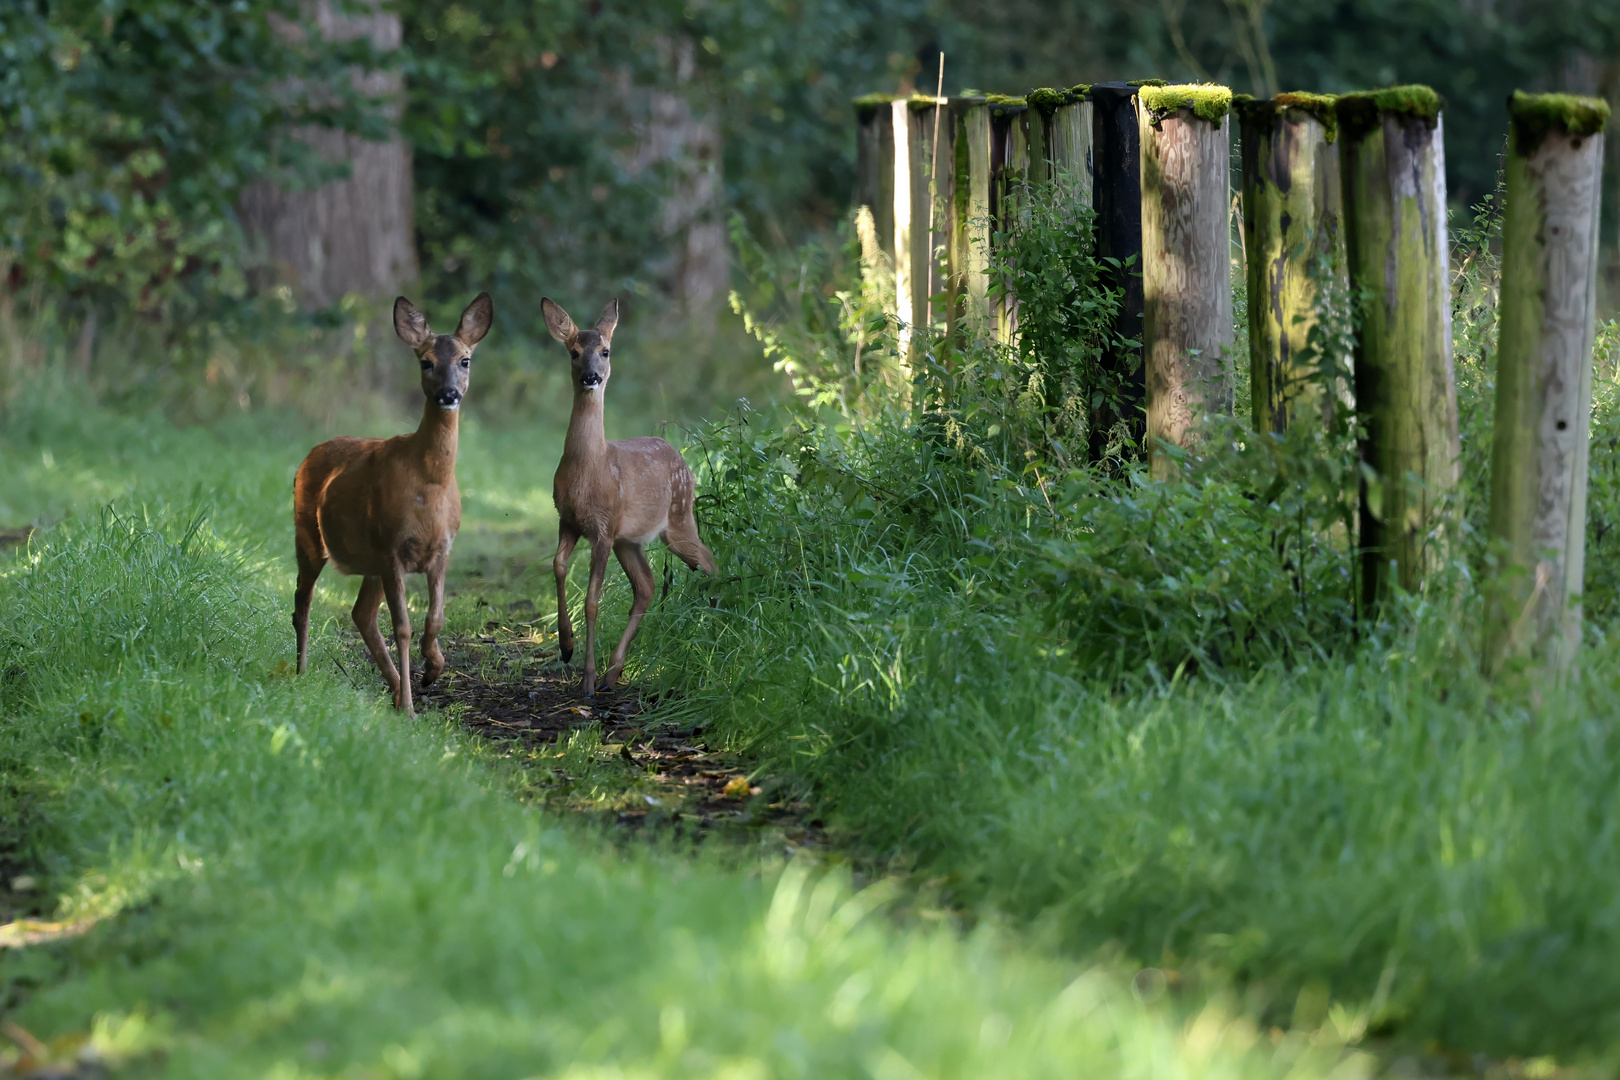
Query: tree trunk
{"x": 684, "y": 142}
{"x": 969, "y": 252}
{"x": 1117, "y": 190}
{"x": 1544, "y": 380}
{"x": 354, "y": 235}
{"x": 1394, "y": 180}
{"x": 1186, "y": 269}
{"x": 1292, "y": 238}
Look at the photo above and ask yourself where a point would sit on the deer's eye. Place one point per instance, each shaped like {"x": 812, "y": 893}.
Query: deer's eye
{"x": 604, "y": 354}
{"x": 466, "y": 362}
{"x": 427, "y": 365}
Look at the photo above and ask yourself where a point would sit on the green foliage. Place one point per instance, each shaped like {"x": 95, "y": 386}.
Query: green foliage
{"x": 129, "y": 127}
{"x": 1043, "y": 392}
{"x": 529, "y": 123}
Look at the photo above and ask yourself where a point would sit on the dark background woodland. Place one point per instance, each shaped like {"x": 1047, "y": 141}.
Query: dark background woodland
{"x": 166, "y": 157}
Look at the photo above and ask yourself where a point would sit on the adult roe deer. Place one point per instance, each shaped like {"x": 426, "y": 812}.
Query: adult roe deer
{"x": 618, "y": 496}
{"x": 384, "y": 508}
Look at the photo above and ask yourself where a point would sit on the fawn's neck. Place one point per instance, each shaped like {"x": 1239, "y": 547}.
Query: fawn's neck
{"x": 436, "y": 439}
{"x": 586, "y": 440}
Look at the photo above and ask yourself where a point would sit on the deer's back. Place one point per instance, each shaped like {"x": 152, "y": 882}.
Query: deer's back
{"x": 633, "y": 493}
{"x": 369, "y": 507}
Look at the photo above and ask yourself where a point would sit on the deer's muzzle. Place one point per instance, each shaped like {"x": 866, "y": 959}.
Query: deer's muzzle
{"x": 448, "y": 398}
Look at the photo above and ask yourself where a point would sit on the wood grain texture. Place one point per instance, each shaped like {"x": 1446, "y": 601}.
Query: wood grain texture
{"x": 1186, "y": 276}
{"x": 930, "y": 186}
{"x": 969, "y": 249}
{"x": 874, "y": 170}
{"x": 1292, "y": 209}
{"x": 1543, "y": 401}
{"x": 1009, "y": 176}
{"x": 1394, "y": 179}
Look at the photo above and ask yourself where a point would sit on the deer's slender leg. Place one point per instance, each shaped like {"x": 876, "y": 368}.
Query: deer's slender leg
{"x": 566, "y": 539}
{"x": 365, "y": 620}
{"x": 600, "y": 550}
{"x": 433, "y": 656}
{"x": 394, "y": 586}
{"x": 308, "y": 570}
{"x": 644, "y": 587}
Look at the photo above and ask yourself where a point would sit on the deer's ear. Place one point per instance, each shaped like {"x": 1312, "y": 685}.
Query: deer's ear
{"x": 557, "y": 321}
{"x": 475, "y": 320}
{"x": 609, "y": 318}
{"x": 411, "y": 325}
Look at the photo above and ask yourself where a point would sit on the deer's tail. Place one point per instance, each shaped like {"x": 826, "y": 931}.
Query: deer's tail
{"x": 693, "y": 552}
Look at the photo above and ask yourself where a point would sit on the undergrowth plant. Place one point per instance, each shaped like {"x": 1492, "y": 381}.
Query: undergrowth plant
{"x": 1146, "y": 713}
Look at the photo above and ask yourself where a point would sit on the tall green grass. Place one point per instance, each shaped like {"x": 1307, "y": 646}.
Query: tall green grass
{"x": 1146, "y": 716}
{"x": 283, "y": 878}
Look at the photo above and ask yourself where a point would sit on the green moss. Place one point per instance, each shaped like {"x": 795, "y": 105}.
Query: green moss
{"x": 1147, "y": 82}
{"x": 1359, "y": 112}
{"x": 1046, "y": 99}
{"x": 867, "y": 105}
{"x": 1005, "y": 104}
{"x": 919, "y": 102}
{"x": 1253, "y": 110}
{"x": 1535, "y": 116}
{"x": 1204, "y": 100}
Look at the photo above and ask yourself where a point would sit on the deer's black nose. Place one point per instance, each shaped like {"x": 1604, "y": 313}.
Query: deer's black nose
{"x": 590, "y": 378}
{"x": 448, "y": 398}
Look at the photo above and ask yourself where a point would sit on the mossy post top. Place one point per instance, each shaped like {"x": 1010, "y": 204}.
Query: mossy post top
{"x": 1360, "y": 112}
{"x": 1005, "y": 104}
{"x": 920, "y": 102}
{"x": 1535, "y": 116}
{"x": 1204, "y": 100}
{"x": 1319, "y": 107}
{"x": 867, "y": 105}
{"x": 1048, "y": 99}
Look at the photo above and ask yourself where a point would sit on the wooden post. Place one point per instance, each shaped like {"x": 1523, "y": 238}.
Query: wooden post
{"x": 930, "y": 187}
{"x": 1060, "y": 137}
{"x": 1544, "y": 379}
{"x": 1292, "y": 235}
{"x": 969, "y": 247}
{"x": 1394, "y": 176}
{"x": 874, "y": 164}
{"x": 1009, "y": 172}
{"x": 1186, "y": 261}
{"x": 1117, "y": 191}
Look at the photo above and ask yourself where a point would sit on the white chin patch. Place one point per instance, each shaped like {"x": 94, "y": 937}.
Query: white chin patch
{"x": 451, "y": 408}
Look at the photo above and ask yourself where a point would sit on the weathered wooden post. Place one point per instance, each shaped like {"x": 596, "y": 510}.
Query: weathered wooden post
{"x": 930, "y": 169}
{"x": 969, "y": 243}
{"x": 1544, "y": 379}
{"x": 1009, "y": 172}
{"x": 1060, "y": 136}
{"x": 1186, "y": 261}
{"x": 1117, "y": 194}
{"x": 874, "y": 164}
{"x": 1394, "y": 176}
{"x": 1292, "y": 237}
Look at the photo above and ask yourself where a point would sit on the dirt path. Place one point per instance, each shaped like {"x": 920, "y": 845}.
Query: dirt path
{"x": 612, "y": 760}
